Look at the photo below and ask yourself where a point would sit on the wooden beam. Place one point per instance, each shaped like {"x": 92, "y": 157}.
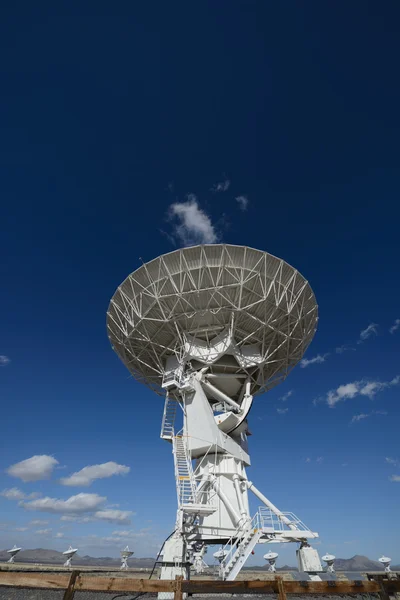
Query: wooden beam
{"x": 86, "y": 582}
{"x": 281, "y": 588}
{"x": 178, "y": 587}
{"x": 34, "y": 580}
{"x": 70, "y": 591}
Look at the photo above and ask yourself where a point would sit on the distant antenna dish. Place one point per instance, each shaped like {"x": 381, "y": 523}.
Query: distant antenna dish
{"x": 13, "y": 552}
{"x": 69, "y": 554}
{"x": 210, "y": 327}
{"x": 220, "y": 555}
{"x": 125, "y": 554}
{"x": 329, "y": 559}
{"x": 271, "y": 558}
{"x": 385, "y": 561}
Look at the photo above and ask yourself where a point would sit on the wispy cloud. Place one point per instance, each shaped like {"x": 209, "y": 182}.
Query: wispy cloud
{"x": 87, "y": 475}
{"x": 38, "y": 522}
{"x": 221, "y": 186}
{"x": 395, "y": 326}
{"x": 308, "y": 460}
{"x": 243, "y": 202}
{"x": 286, "y": 396}
{"x": 21, "y": 528}
{"x": 343, "y": 348}
{"x": 318, "y": 460}
{"x": 369, "y": 331}
{"x": 363, "y": 416}
{"x": 81, "y": 503}
{"x": 358, "y": 388}
{"x": 4, "y": 360}
{"x": 282, "y": 411}
{"x": 392, "y": 461}
{"x": 44, "y": 532}
{"x": 192, "y": 225}
{"x": 394, "y": 478}
{"x": 59, "y": 534}
{"x": 16, "y": 494}
{"x": 114, "y": 516}
{"x": 33, "y": 469}
{"x": 320, "y": 358}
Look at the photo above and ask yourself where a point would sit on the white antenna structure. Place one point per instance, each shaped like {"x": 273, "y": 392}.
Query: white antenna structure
{"x": 209, "y": 328}
{"x": 125, "y": 554}
{"x": 330, "y": 560}
{"x": 385, "y": 561}
{"x": 69, "y": 554}
{"x": 271, "y": 558}
{"x": 13, "y": 552}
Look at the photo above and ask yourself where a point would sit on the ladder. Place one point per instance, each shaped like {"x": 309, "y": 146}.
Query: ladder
{"x": 168, "y": 420}
{"x": 185, "y": 481}
{"x": 239, "y": 548}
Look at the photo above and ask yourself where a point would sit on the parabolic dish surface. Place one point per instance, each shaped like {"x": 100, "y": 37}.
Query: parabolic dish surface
{"x": 234, "y": 309}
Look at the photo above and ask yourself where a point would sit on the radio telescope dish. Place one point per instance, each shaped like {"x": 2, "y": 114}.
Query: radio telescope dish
{"x": 385, "y": 561}
{"x": 69, "y": 554}
{"x": 13, "y": 552}
{"x": 271, "y": 558}
{"x": 210, "y": 327}
{"x": 232, "y": 309}
{"x": 329, "y": 559}
{"x": 125, "y": 554}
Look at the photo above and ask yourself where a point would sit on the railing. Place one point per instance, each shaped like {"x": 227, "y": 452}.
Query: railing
{"x": 86, "y": 581}
{"x": 232, "y": 546}
{"x": 268, "y": 519}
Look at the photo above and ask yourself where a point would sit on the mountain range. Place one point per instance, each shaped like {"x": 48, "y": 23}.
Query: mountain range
{"x": 52, "y": 557}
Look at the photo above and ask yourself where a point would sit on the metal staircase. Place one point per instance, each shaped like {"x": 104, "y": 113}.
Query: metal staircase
{"x": 185, "y": 481}
{"x": 239, "y": 548}
{"x": 168, "y": 420}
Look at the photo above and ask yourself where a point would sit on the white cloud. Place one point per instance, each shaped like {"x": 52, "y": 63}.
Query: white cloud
{"x": 16, "y": 494}
{"x": 38, "y": 522}
{"x": 286, "y": 396}
{"x": 59, "y": 535}
{"x": 363, "y": 416}
{"x": 87, "y": 475}
{"x": 282, "y": 411}
{"x": 395, "y": 326}
{"x": 319, "y": 459}
{"x": 44, "y": 532}
{"x": 372, "y": 329}
{"x": 395, "y": 478}
{"x": 392, "y": 461}
{"x": 193, "y": 224}
{"x": 320, "y": 358}
{"x": 21, "y": 529}
{"x": 4, "y": 360}
{"x": 243, "y": 202}
{"x": 122, "y": 533}
{"x": 114, "y": 516}
{"x": 222, "y": 186}
{"x": 358, "y": 388}
{"x": 308, "y": 460}
{"x": 75, "y": 519}
{"x": 80, "y": 503}
{"x": 34, "y": 468}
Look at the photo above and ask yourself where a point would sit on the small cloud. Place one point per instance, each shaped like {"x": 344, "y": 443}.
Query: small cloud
{"x": 351, "y": 542}
{"x": 33, "y": 469}
{"x": 16, "y": 494}
{"x": 349, "y": 391}
{"x": 363, "y": 416}
{"x": 282, "y": 411}
{"x": 395, "y": 326}
{"x": 87, "y": 475}
{"x": 76, "y": 519}
{"x": 78, "y": 504}
{"x": 243, "y": 202}
{"x": 4, "y": 360}
{"x": 371, "y": 330}
{"x": 45, "y": 532}
{"x": 21, "y": 529}
{"x": 344, "y": 464}
{"x": 344, "y": 348}
{"x": 286, "y": 396}
{"x": 222, "y": 186}
{"x": 320, "y": 358}
{"x": 392, "y": 461}
{"x": 308, "y": 460}
{"x": 394, "y": 478}
{"x": 319, "y": 460}
{"x": 114, "y": 516}
{"x": 59, "y": 535}
{"x": 193, "y": 225}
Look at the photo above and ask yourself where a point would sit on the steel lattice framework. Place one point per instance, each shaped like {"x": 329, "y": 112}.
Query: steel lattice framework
{"x": 251, "y": 313}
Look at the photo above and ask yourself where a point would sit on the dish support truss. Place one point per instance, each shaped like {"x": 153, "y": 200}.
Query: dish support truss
{"x": 213, "y": 505}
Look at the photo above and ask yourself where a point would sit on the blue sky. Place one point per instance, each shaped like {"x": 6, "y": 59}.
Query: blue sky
{"x": 128, "y": 131}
